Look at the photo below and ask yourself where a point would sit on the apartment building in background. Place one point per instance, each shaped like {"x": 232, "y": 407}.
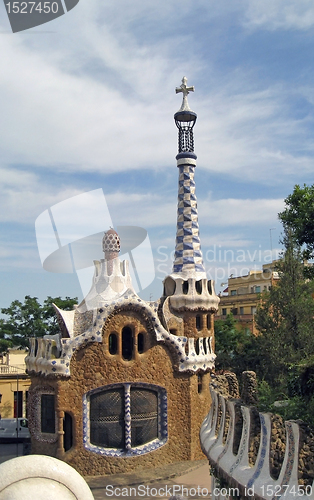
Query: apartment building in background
{"x": 14, "y": 384}
{"x": 243, "y": 294}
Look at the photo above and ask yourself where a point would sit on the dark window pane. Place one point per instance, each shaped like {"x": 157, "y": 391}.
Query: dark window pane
{"x": 140, "y": 343}
{"x": 127, "y": 343}
{"x": 26, "y": 398}
{"x": 18, "y": 404}
{"x": 68, "y": 431}
{"x": 199, "y": 383}
{"x": 198, "y": 322}
{"x": 197, "y": 346}
{"x": 107, "y": 418}
{"x": 113, "y": 343}
{"x": 144, "y": 416}
{"x": 208, "y": 321}
{"x": 198, "y": 287}
{"x": 48, "y": 413}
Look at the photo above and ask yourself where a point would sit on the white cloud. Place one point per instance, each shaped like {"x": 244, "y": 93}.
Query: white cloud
{"x": 105, "y": 102}
{"x": 279, "y": 14}
{"x": 151, "y": 210}
{"x": 241, "y": 212}
{"x": 24, "y": 196}
{"x": 252, "y": 133}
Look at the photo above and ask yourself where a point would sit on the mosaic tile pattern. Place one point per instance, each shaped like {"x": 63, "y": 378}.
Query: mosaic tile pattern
{"x": 34, "y": 417}
{"x": 128, "y": 451}
{"x": 243, "y": 443}
{"x": 254, "y": 477}
{"x": 188, "y": 255}
{"x": 190, "y": 362}
{"x": 286, "y": 479}
{"x": 263, "y": 445}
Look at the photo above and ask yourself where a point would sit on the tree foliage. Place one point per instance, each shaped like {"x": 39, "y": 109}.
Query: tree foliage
{"x": 283, "y": 353}
{"x": 30, "y": 319}
{"x": 285, "y": 317}
{"x": 298, "y": 219}
{"x": 234, "y": 346}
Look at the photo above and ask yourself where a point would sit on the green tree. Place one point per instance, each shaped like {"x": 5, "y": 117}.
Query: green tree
{"x": 30, "y": 319}
{"x": 4, "y": 343}
{"x": 285, "y": 318}
{"x": 234, "y": 346}
{"x": 298, "y": 218}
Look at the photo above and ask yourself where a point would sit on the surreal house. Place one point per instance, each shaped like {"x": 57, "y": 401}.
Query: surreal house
{"x": 126, "y": 383}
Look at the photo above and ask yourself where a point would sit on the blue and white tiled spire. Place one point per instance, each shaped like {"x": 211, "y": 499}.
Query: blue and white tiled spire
{"x": 188, "y": 259}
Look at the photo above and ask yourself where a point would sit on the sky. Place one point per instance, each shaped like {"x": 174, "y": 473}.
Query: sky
{"x": 87, "y": 103}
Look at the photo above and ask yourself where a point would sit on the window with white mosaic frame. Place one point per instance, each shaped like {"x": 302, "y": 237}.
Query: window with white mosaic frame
{"x": 125, "y": 419}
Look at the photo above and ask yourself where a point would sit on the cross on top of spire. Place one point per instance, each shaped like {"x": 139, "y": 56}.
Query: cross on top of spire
{"x": 185, "y": 91}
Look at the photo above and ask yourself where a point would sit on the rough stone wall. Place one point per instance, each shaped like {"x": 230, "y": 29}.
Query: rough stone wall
{"x": 233, "y": 385}
{"x": 190, "y": 329}
{"x": 255, "y": 435}
{"x": 93, "y": 366}
{"x": 249, "y": 388}
{"x": 306, "y": 454}
{"x": 200, "y": 401}
{"x": 238, "y": 425}
{"x": 277, "y": 445}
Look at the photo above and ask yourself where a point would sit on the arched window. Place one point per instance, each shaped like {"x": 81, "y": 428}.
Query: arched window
{"x": 68, "y": 431}
{"x": 199, "y": 383}
{"x": 140, "y": 343}
{"x": 198, "y": 322}
{"x": 198, "y": 287}
{"x": 127, "y": 343}
{"x": 208, "y": 319}
{"x": 185, "y": 287}
{"x": 113, "y": 343}
{"x": 120, "y": 418}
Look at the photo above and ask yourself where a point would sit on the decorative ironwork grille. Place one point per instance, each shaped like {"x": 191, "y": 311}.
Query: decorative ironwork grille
{"x": 107, "y": 418}
{"x": 144, "y": 416}
{"x": 186, "y": 139}
{"x": 114, "y": 423}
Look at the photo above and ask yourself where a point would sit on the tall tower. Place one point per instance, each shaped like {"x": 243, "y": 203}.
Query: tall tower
{"x": 187, "y": 286}
{"x": 188, "y": 261}
{"x": 189, "y": 299}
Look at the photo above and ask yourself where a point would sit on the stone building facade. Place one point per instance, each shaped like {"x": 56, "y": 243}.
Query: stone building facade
{"x": 126, "y": 383}
{"x": 244, "y": 295}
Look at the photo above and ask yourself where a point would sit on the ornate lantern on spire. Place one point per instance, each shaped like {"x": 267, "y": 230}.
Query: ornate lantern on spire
{"x": 185, "y": 120}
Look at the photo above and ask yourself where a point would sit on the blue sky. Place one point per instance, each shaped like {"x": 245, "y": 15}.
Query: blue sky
{"x": 87, "y": 102}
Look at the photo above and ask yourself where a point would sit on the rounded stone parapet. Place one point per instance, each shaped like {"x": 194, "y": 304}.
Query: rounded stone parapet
{"x": 191, "y": 294}
{"x": 41, "y": 477}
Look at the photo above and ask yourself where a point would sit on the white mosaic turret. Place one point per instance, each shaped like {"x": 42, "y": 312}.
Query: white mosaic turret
{"x": 111, "y": 278}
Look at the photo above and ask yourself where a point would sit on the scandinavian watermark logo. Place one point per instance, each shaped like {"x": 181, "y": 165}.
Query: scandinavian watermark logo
{"x": 222, "y": 264}
{"x": 26, "y": 14}
{"x": 69, "y": 236}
